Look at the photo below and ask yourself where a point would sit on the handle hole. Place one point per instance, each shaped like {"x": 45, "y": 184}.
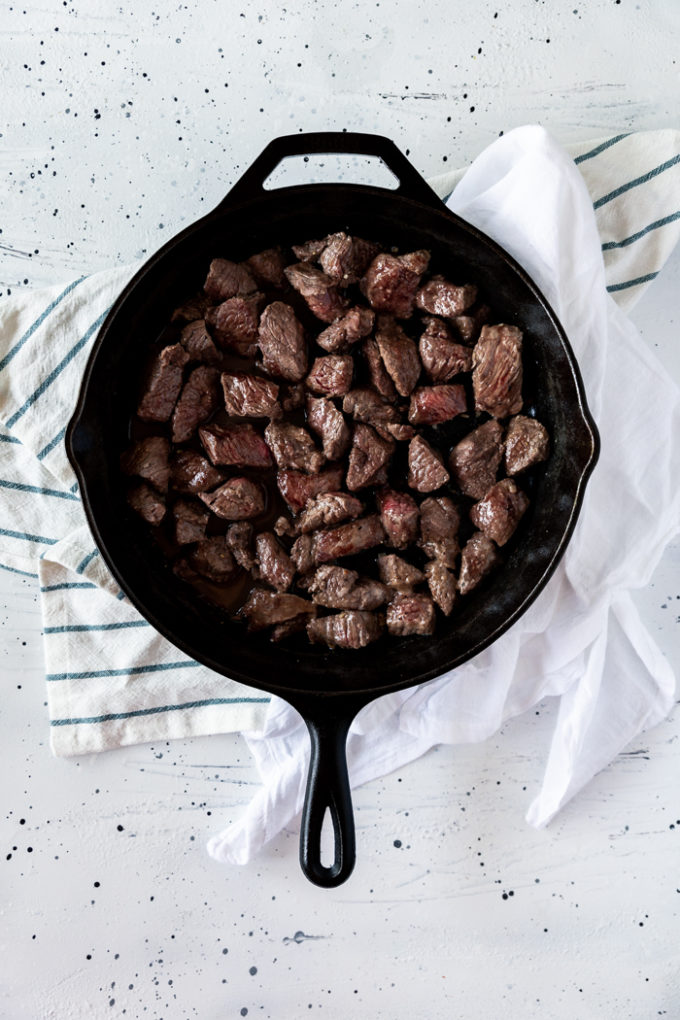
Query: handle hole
{"x": 331, "y": 168}
{"x": 327, "y": 840}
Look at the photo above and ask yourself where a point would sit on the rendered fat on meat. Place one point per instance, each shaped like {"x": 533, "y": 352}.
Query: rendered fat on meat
{"x": 497, "y": 371}
{"x": 282, "y": 342}
{"x": 163, "y": 384}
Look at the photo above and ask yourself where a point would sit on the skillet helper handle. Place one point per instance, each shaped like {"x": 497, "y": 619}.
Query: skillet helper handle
{"x": 411, "y": 184}
{"x": 328, "y": 790}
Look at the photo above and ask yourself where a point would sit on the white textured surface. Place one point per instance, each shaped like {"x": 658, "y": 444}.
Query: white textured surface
{"x": 473, "y": 914}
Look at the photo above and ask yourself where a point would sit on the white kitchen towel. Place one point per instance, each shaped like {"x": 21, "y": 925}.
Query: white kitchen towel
{"x": 582, "y": 639}
{"x": 112, "y": 680}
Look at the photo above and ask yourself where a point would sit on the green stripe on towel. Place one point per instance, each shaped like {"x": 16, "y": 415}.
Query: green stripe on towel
{"x": 114, "y": 716}
{"x": 128, "y": 671}
{"x": 631, "y": 184}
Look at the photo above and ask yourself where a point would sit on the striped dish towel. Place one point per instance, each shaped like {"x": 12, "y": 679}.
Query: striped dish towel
{"x": 111, "y": 679}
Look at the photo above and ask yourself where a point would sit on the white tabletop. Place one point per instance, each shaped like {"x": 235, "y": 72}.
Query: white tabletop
{"x": 122, "y": 122}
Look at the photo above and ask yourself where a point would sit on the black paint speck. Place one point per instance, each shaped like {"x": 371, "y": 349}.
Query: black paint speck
{"x": 224, "y": 952}
{"x": 252, "y": 971}
{"x": 244, "y": 1011}
{"x": 397, "y": 843}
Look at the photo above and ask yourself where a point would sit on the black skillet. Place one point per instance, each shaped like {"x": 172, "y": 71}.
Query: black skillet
{"x": 329, "y": 688}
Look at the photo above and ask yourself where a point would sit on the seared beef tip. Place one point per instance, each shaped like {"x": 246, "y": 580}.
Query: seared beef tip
{"x": 351, "y": 629}
{"x": 293, "y": 397}
{"x": 328, "y": 423}
{"x": 432, "y": 405}
{"x": 397, "y": 573}
{"x": 328, "y": 508}
{"x": 234, "y": 324}
{"x": 227, "y": 279}
{"x": 310, "y": 250}
{"x": 410, "y": 614}
{"x": 267, "y": 608}
{"x": 368, "y": 458}
{"x": 399, "y": 354}
{"x": 442, "y": 358}
{"x": 198, "y": 344}
{"x": 526, "y": 444}
{"x": 439, "y": 523}
{"x": 240, "y": 541}
{"x": 302, "y": 554}
{"x": 148, "y": 503}
{"x": 348, "y": 539}
{"x": 426, "y": 471}
{"x": 356, "y": 323}
{"x": 331, "y": 375}
{"x": 237, "y": 500}
{"x": 474, "y": 460}
{"x": 276, "y": 566}
{"x": 198, "y": 400}
{"x": 235, "y": 445}
{"x": 212, "y": 558}
{"x": 380, "y": 379}
{"x": 282, "y": 342}
{"x": 395, "y": 430}
{"x": 366, "y": 406}
{"x": 391, "y": 282}
{"x": 267, "y": 267}
{"x": 293, "y": 447}
{"x": 345, "y": 259}
{"x": 191, "y": 520}
{"x": 478, "y": 556}
{"x": 163, "y": 384}
{"x": 440, "y": 297}
{"x": 399, "y": 515}
{"x": 498, "y": 514}
{"x": 318, "y": 290}
{"x": 250, "y": 396}
{"x": 468, "y": 326}
{"x": 297, "y": 487}
{"x": 149, "y": 459}
{"x": 442, "y": 584}
{"x": 191, "y": 473}
{"x": 497, "y": 371}
{"x": 194, "y": 308}
{"x": 284, "y": 527}
{"x": 338, "y": 588}
{"x": 288, "y": 627}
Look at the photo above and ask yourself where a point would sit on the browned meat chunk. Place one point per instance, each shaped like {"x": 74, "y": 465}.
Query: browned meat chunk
{"x": 328, "y": 423}
{"x": 399, "y": 515}
{"x": 148, "y": 503}
{"x": 442, "y": 584}
{"x": 192, "y": 473}
{"x": 235, "y": 445}
{"x": 163, "y": 384}
{"x": 351, "y": 629}
{"x": 526, "y": 444}
{"x": 227, "y": 279}
{"x": 426, "y": 471}
{"x": 368, "y": 458}
{"x": 331, "y": 375}
{"x": 212, "y": 558}
{"x": 198, "y": 344}
{"x": 474, "y": 460}
{"x": 233, "y": 324}
{"x": 191, "y": 520}
{"x": 267, "y": 608}
{"x": 329, "y": 508}
{"x": 318, "y": 290}
{"x": 309, "y": 251}
{"x": 198, "y": 400}
{"x": 240, "y": 541}
{"x": 149, "y": 459}
{"x": 302, "y": 554}
{"x": 479, "y": 555}
{"x": 237, "y": 500}
{"x": 288, "y": 627}
{"x": 293, "y": 397}
{"x": 366, "y": 406}
{"x": 250, "y": 396}
{"x": 395, "y": 430}
{"x": 397, "y": 573}
{"x": 283, "y": 526}
{"x": 348, "y": 539}
{"x": 276, "y": 566}
{"x": 469, "y": 326}
{"x": 440, "y": 297}
{"x": 282, "y": 342}
{"x": 267, "y": 267}
{"x": 345, "y": 259}
{"x": 356, "y": 323}
{"x": 432, "y": 405}
{"x": 441, "y": 356}
{"x": 399, "y": 354}
{"x": 410, "y": 614}
{"x": 380, "y": 380}
{"x": 293, "y": 447}
{"x": 296, "y": 487}
{"x": 338, "y": 588}
{"x": 499, "y": 513}
{"x": 497, "y": 371}
{"x": 192, "y": 309}
{"x": 439, "y": 523}
{"x": 391, "y": 282}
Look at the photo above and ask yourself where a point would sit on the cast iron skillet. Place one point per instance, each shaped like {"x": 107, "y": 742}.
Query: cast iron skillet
{"x": 327, "y": 687}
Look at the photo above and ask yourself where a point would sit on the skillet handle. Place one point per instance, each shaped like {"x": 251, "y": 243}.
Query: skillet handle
{"x": 328, "y": 790}
{"x": 411, "y": 184}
